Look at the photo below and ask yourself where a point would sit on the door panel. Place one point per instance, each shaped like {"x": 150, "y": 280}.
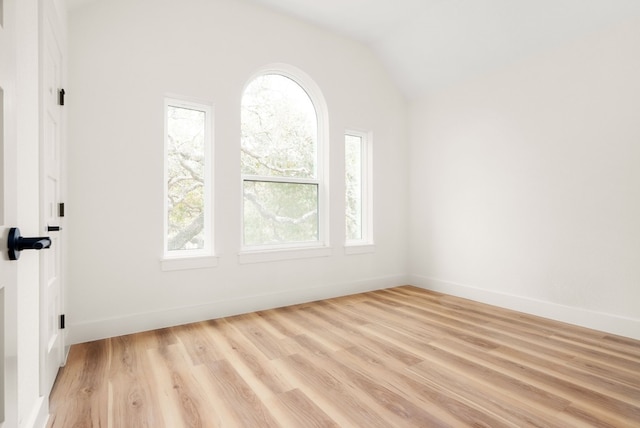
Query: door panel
{"x": 8, "y": 218}
{"x": 51, "y": 297}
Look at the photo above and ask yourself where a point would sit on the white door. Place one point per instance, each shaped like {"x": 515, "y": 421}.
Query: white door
{"x": 52, "y": 342}
{"x": 8, "y": 217}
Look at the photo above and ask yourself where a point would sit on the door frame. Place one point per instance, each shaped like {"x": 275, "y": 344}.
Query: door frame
{"x": 52, "y": 26}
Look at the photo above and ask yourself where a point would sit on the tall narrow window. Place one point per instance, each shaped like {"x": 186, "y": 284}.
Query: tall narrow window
{"x": 280, "y": 164}
{"x": 188, "y": 178}
{"x": 358, "y": 188}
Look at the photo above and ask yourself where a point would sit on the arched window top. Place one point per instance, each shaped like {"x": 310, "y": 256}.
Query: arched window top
{"x": 280, "y": 124}
{"x": 298, "y": 76}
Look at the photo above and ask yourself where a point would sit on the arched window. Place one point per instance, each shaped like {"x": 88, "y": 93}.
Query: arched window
{"x": 282, "y": 161}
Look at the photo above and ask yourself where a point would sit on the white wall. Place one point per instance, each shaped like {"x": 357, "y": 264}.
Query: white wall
{"x": 124, "y": 57}
{"x": 525, "y": 185}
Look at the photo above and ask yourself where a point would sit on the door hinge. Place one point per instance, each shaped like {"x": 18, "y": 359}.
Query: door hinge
{"x": 62, "y": 322}
{"x": 61, "y": 209}
{"x": 61, "y": 93}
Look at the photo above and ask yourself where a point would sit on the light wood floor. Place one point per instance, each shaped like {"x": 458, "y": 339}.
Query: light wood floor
{"x": 401, "y": 357}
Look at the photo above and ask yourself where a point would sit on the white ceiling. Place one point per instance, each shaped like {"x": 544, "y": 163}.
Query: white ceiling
{"x": 430, "y": 44}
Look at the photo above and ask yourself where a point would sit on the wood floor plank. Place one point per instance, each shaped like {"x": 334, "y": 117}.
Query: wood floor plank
{"x": 400, "y": 357}
{"x": 305, "y": 412}
{"x": 262, "y": 338}
{"x": 180, "y": 399}
{"x": 564, "y": 372}
{"x": 336, "y": 391}
{"x": 537, "y": 342}
{"x": 131, "y": 395}
{"x": 392, "y": 376}
{"x": 199, "y": 343}
{"x": 482, "y": 396}
{"x": 240, "y": 400}
{"x": 610, "y": 408}
{"x": 246, "y": 359}
{"x": 84, "y": 392}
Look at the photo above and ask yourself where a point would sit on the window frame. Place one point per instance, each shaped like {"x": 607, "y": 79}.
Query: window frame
{"x": 366, "y": 243}
{"x": 194, "y": 258}
{"x": 294, "y": 250}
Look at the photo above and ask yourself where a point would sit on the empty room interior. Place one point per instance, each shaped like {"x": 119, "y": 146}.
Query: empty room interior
{"x": 328, "y": 213}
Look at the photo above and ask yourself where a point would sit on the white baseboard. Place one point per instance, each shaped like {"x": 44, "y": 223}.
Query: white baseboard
{"x": 112, "y": 327}
{"x": 628, "y": 327}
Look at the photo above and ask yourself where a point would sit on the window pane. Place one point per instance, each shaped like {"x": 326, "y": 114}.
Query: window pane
{"x": 353, "y": 184}
{"x": 279, "y": 129}
{"x": 277, "y": 213}
{"x": 185, "y": 186}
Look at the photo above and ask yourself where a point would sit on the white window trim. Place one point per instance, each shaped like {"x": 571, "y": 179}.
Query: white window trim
{"x": 284, "y": 253}
{"x": 288, "y": 251}
{"x": 359, "y": 248}
{"x": 366, "y": 244}
{"x": 190, "y": 262}
{"x": 201, "y": 258}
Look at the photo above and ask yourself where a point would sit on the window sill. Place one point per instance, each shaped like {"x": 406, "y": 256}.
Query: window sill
{"x": 261, "y": 256}
{"x": 183, "y": 263}
{"x": 359, "y": 248}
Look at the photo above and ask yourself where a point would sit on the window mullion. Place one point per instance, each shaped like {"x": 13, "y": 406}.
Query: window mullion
{"x": 272, "y": 179}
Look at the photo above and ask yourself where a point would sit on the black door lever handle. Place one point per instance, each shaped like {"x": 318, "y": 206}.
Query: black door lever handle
{"x": 17, "y": 243}
{"x": 53, "y": 228}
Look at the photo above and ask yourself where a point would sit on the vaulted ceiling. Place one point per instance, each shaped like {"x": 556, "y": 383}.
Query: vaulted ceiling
{"x": 428, "y": 45}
